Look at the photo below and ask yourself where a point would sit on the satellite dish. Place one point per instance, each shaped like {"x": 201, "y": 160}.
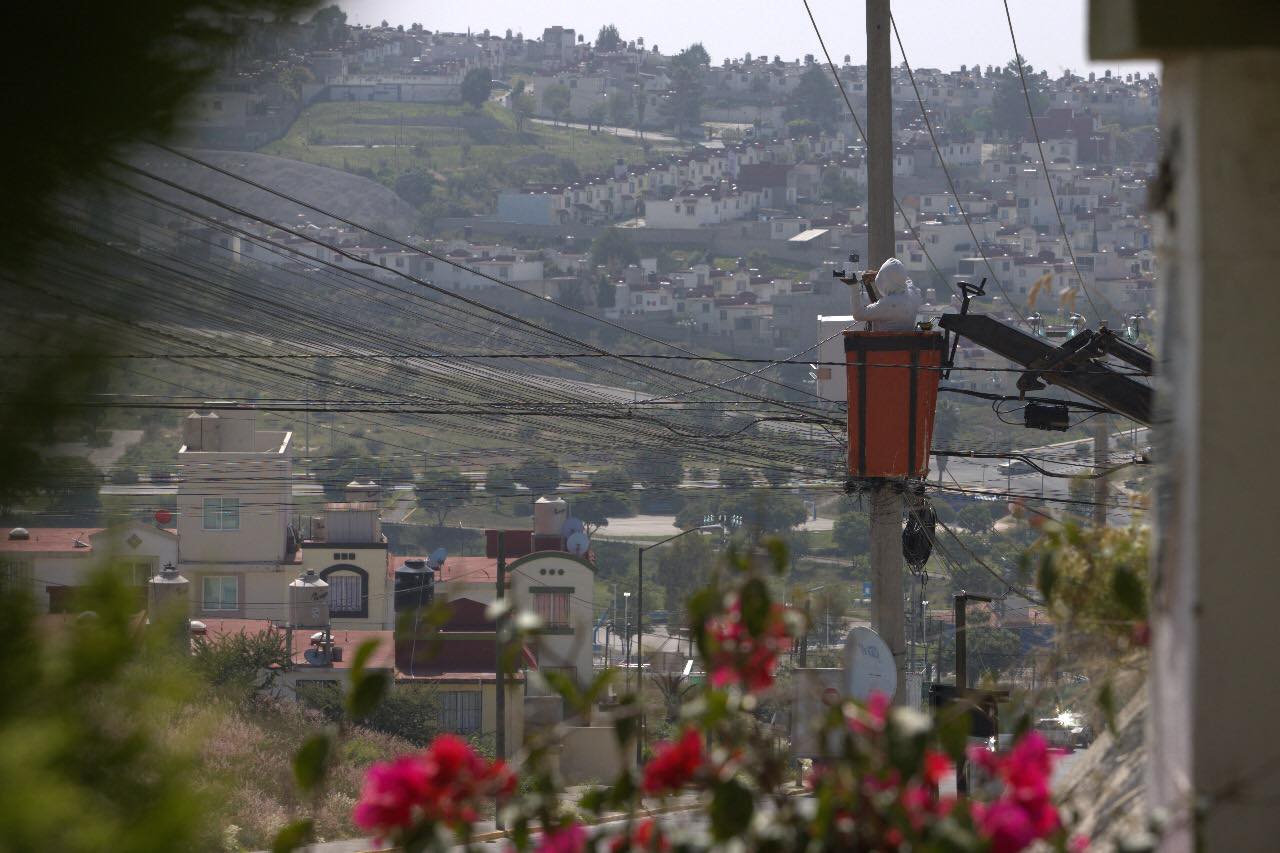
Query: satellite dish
{"x": 437, "y": 558}
{"x": 572, "y": 526}
{"x": 578, "y": 544}
{"x": 868, "y": 665}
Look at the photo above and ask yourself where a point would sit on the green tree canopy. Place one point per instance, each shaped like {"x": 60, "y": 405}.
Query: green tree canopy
{"x": 441, "y": 491}
{"x": 540, "y": 474}
{"x": 608, "y": 38}
{"x": 476, "y": 86}
{"x": 1009, "y": 106}
{"x": 522, "y": 105}
{"x": 814, "y": 98}
{"x": 556, "y": 99}
{"x": 852, "y": 532}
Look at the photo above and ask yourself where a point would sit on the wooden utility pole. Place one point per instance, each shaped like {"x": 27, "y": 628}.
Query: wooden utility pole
{"x": 1101, "y": 450}
{"x": 886, "y": 495}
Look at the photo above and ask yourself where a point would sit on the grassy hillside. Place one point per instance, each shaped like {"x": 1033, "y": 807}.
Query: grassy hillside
{"x": 466, "y": 155}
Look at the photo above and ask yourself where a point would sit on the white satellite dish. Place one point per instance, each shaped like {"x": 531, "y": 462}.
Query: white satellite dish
{"x": 578, "y": 544}
{"x": 437, "y": 558}
{"x": 572, "y": 526}
{"x": 868, "y": 665}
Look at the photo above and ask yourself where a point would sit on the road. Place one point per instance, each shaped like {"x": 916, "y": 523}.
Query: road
{"x": 624, "y": 132}
{"x": 984, "y": 476}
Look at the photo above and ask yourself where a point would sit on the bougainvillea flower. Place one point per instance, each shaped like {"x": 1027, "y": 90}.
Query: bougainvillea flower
{"x": 674, "y": 764}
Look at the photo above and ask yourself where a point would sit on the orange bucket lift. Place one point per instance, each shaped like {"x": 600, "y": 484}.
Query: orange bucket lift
{"x": 893, "y": 391}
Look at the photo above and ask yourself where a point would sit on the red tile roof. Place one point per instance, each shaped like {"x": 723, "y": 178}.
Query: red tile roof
{"x": 52, "y": 539}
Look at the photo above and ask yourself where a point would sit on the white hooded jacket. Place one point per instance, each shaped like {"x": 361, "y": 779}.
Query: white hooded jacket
{"x": 899, "y": 302}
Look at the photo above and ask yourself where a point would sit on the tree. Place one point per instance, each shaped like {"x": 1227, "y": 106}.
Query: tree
{"x": 683, "y": 105}
{"x": 541, "y": 474}
{"x": 608, "y": 38}
{"x": 346, "y": 463}
{"x": 330, "y": 26}
{"x": 975, "y": 518}
{"x": 500, "y": 484}
{"x": 71, "y": 486}
{"x": 1009, "y": 107}
{"x": 733, "y": 478}
{"x": 852, "y": 532}
{"x": 556, "y": 99}
{"x": 683, "y": 567}
{"x": 442, "y": 491}
{"x": 619, "y": 105}
{"x": 814, "y": 98}
{"x": 596, "y": 114}
{"x": 593, "y": 510}
{"x": 476, "y": 87}
{"x": 615, "y": 250}
{"x": 414, "y": 187}
{"x": 522, "y": 105}
{"x": 990, "y": 651}
{"x": 803, "y": 128}
{"x": 696, "y": 54}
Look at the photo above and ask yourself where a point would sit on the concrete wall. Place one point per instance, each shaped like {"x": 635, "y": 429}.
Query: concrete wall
{"x": 1213, "y": 709}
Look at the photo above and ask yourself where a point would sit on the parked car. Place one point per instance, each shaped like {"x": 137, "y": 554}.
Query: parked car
{"x": 1065, "y": 731}
{"x": 1014, "y": 467}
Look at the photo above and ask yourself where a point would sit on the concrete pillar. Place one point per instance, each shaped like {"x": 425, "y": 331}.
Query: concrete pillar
{"x": 1214, "y": 753}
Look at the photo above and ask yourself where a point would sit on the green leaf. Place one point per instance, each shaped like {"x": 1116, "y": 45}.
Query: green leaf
{"x": 361, "y": 657}
{"x": 311, "y": 760}
{"x": 1128, "y": 592}
{"x": 755, "y": 606}
{"x": 953, "y": 731}
{"x": 366, "y": 694}
{"x": 731, "y": 809}
{"x": 292, "y": 836}
{"x": 626, "y": 724}
{"x": 1047, "y": 578}
{"x": 777, "y": 547}
{"x": 1107, "y": 702}
{"x": 564, "y": 685}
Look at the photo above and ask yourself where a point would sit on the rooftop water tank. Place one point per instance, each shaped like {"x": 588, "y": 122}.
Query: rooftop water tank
{"x": 549, "y": 515}
{"x": 309, "y": 601}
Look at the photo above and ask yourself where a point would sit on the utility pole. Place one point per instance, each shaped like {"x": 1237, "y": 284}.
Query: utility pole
{"x": 1101, "y": 450}
{"x": 886, "y": 496}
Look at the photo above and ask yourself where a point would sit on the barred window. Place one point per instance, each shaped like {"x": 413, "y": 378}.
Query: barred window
{"x": 460, "y": 711}
{"x": 552, "y": 608}
{"x": 345, "y": 593}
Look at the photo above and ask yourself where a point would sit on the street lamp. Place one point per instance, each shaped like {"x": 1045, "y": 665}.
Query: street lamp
{"x": 640, "y": 739}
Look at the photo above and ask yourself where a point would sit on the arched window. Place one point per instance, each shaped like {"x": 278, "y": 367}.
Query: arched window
{"x": 348, "y": 591}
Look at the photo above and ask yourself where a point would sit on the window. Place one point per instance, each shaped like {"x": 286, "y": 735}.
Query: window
{"x": 460, "y": 711}
{"x": 221, "y": 513}
{"x": 346, "y": 594}
{"x": 552, "y": 606}
{"x": 15, "y": 574}
{"x": 221, "y": 593}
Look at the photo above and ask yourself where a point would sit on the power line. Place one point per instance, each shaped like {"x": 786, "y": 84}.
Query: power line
{"x": 1044, "y": 164}
{"x": 1018, "y": 311}
{"x": 854, "y": 115}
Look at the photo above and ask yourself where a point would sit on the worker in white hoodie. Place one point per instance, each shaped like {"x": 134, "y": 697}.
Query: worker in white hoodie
{"x": 899, "y": 302}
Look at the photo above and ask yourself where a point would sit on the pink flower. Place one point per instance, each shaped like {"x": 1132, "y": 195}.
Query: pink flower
{"x": 738, "y": 657}
{"x": 565, "y": 839}
{"x": 647, "y": 836}
{"x": 448, "y": 782}
{"x": 673, "y": 764}
{"x": 1078, "y": 844}
{"x": 391, "y": 793}
{"x": 1006, "y": 826}
{"x": 936, "y": 766}
{"x": 877, "y": 711}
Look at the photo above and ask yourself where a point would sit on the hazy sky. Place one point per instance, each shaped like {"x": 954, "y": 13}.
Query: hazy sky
{"x": 937, "y": 33}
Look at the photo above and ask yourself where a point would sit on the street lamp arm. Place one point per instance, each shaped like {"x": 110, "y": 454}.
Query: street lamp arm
{"x": 682, "y": 533}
